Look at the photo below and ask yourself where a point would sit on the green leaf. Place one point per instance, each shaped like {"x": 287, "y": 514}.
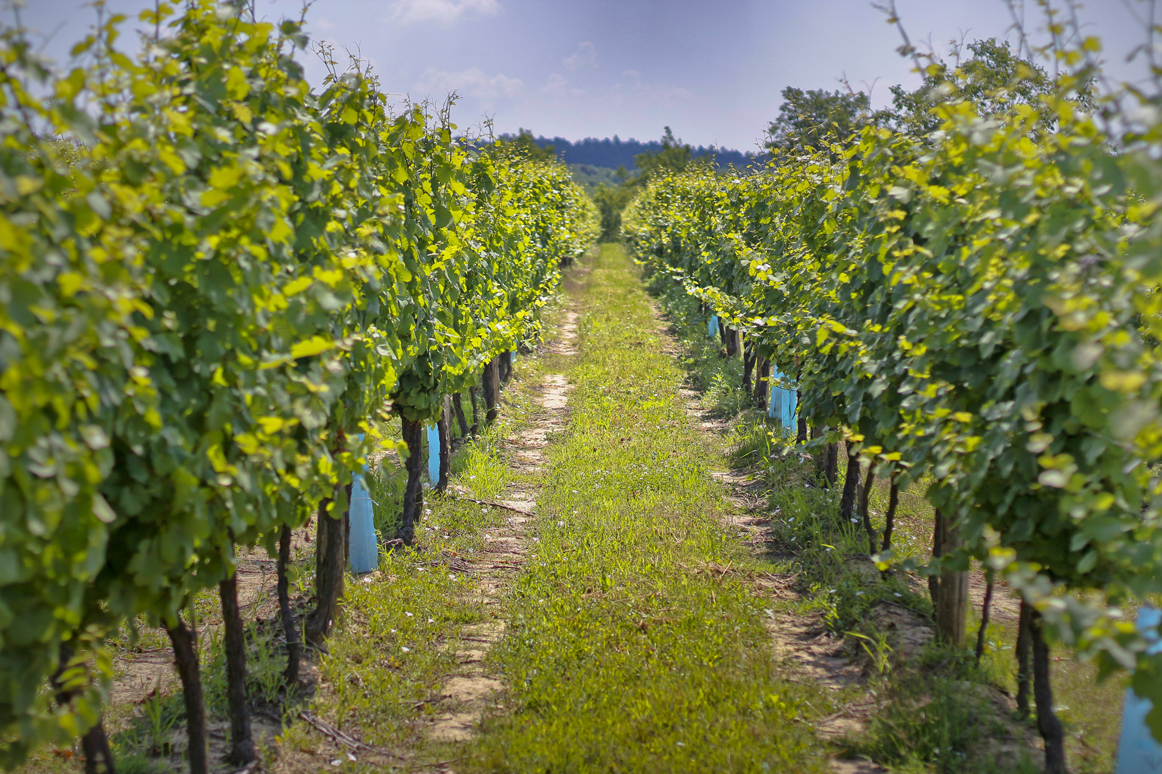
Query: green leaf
{"x": 313, "y": 346}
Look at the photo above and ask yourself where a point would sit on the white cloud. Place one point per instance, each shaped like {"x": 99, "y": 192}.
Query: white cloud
{"x": 555, "y": 85}
{"x": 627, "y": 102}
{"x": 653, "y": 93}
{"x": 557, "y": 89}
{"x": 404, "y": 12}
{"x": 634, "y": 78}
{"x": 629, "y": 93}
{"x": 584, "y": 56}
{"x": 473, "y": 82}
{"x": 632, "y": 90}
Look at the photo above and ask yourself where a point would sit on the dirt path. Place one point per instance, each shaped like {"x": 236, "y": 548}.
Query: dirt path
{"x": 470, "y": 689}
{"x": 813, "y": 655}
{"x": 801, "y": 642}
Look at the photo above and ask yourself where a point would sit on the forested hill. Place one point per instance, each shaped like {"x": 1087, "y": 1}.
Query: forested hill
{"x": 614, "y": 153}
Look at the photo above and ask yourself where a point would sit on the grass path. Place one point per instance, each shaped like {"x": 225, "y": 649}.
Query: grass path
{"x": 471, "y": 686}
{"x": 620, "y": 628}
{"x": 634, "y": 641}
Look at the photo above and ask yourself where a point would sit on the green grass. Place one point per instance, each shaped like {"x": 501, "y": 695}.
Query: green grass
{"x": 623, "y": 653}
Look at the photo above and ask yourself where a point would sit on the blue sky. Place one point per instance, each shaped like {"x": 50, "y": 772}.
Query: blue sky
{"x": 713, "y": 71}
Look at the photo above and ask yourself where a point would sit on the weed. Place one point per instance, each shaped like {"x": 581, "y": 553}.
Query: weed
{"x": 385, "y": 485}
{"x": 877, "y": 648}
{"x": 145, "y": 743}
{"x": 138, "y": 763}
{"x": 946, "y": 725}
{"x": 265, "y": 666}
{"x": 754, "y": 441}
{"x": 161, "y": 715}
{"x": 725, "y": 396}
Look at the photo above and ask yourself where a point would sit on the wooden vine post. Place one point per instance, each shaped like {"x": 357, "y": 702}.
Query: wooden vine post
{"x": 445, "y": 442}
{"x": 950, "y": 604}
{"x": 491, "y": 390}
{"x": 850, "y": 485}
{"x": 413, "y": 497}
{"x": 761, "y": 382}
{"x": 185, "y": 650}
{"x": 461, "y": 419}
{"x": 329, "y": 571}
{"x": 234, "y": 648}
{"x": 290, "y": 630}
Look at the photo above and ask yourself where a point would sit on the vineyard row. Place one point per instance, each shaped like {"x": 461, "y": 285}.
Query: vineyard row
{"x": 974, "y": 310}
{"x": 218, "y": 285}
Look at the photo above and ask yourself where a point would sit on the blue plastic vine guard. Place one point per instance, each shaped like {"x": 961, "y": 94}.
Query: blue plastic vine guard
{"x": 363, "y": 545}
{"x": 790, "y": 408}
{"x": 783, "y": 403}
{"x": 713, "y": 326}
{"x": 1138, "y": 751}
{"x": 434, "y": 454}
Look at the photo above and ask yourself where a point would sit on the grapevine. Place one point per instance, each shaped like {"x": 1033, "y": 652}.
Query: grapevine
{"x": 218, "y": 284}
{"x": 974, "y": 308}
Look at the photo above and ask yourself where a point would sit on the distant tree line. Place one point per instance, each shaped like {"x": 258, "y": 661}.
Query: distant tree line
{"x": 615, "y": 152}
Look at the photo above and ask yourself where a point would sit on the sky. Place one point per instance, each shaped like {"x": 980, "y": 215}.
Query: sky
{"x": 712, "y": 71}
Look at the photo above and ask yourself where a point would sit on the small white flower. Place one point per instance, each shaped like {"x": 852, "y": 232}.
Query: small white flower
{"x": 409, "y": 615}
{"x": 405, "y": 650}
